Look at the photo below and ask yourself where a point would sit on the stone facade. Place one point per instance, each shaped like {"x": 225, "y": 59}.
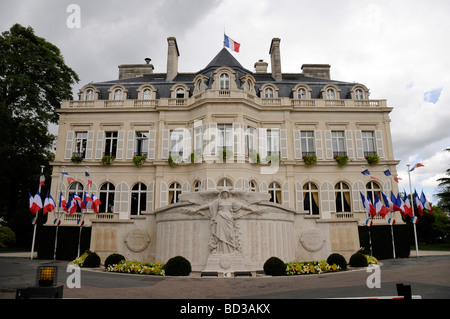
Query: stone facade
{"x": 181, "y": 123}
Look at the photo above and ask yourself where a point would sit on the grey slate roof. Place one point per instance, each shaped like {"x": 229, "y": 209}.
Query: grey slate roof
{"x": 223, "y": 58}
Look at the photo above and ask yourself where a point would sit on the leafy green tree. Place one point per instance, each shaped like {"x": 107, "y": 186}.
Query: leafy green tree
{"x": 444, "y": 191}
{"x": 33, "y": 81}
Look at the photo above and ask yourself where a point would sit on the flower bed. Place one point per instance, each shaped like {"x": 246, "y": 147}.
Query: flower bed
{"x": 136, "y": 267}
{"x": 310, "y": 267}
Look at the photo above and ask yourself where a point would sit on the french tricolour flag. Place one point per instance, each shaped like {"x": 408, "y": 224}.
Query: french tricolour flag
{"x": 231, "y": 44}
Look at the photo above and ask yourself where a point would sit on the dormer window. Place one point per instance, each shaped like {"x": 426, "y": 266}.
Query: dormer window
{"x": 331, "y": 94}
{"x": 224, "y": 81}
{"x": 89, "y": 95}
{"x": 268, "y": 93}
{"x": 301, "y": 94}
{"x": 118, "y": 94}
{"x": 359, "y": 94}
{"x": 180, "y": 94}
{"x": 147, "y": 94}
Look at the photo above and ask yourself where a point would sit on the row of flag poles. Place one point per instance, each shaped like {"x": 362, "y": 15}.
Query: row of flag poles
{"x": 396, "y": 203}
{"x": 70, "y": 206}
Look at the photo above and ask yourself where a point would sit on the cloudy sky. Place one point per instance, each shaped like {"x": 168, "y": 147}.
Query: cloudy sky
{"x": 399, "y": 49}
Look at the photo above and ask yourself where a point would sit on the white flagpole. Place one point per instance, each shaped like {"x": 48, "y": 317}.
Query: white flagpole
{"x": 59, "y": 212}
{"x": 412, "y": 206}
{"x": 392, "y": 233}
{"x": 82, "y": 217}
{"x": 35, "y": 221}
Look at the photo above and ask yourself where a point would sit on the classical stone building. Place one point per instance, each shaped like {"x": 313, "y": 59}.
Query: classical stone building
{"x": 224, "y": 127}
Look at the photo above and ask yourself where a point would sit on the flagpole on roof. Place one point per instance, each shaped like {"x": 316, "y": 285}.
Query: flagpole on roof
{"x": 37, "y": 213}
{"x": 57, "y": 220}
{"x": 412, "y": 205}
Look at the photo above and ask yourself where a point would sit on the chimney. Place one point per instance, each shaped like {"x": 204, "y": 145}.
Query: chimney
{"x": 261, "y": 67}
{"x": 134, "y": 70}
{"x": 172, "y": 58}
{"x": 317, "y": 70}
{"x": 275, "y": 58}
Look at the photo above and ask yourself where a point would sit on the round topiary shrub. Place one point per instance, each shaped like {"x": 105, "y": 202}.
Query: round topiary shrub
{"x": 337, "y": 259}
{"x": 274, "y": 266}
{"x": 113, "y": 259}
{"x": 177, "y": 266}
{"x": 92, "y": 261}
{"x": 358, "y": 260}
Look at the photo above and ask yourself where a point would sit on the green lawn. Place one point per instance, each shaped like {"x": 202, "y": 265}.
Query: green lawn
{"x": 433, "y": 247}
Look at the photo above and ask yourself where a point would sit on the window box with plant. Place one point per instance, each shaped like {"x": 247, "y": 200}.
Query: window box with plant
{"x": 225, "y": 153}
{"x": 309, "y": 159}
{"x": 254, "y": 157}
{"x": 174, "y": 160}
{"x": 273, "y": 159}
{"x": 372, "y": 159}
{"x": 107, "y": 159}
{"x": 196, "y": 157}
{"x": 77, "y": 159}
{"x": 139, "y": 160}
{"x": 341, "y": 159}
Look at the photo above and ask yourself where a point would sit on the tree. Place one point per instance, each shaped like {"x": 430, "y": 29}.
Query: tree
{"x": 33, "y": 81}
{"x": 444, "y": 190}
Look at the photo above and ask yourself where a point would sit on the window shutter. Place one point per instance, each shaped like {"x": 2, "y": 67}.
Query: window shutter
{"x": 358, "y": 188}
{"x": 349, "y": 143}
{"x": 165, "y": 144}
{"x": 359, "y": 145}
{"x": 299, "y": 197}
{"x": 121, "y": 200}
{"x": 327, "y": 200}
{"x": 262, "y": 143}
{"x": 297, "y": 145}
{"x": 69, "y": 145}
{"x": 120, "y": 144}
{"x": 99, "y": 146}
{"x": 163, "y": 194}
{"x": 150, "y": 196}
{"x": 379, "y": 141}
{"x": 130, "y": 144}
{"x": 151, "y": 144}
{"x": 283, "y": 144}
{"x": 285, "y": 200}
{"x": 187, "y": 145}
{"x": 239, "y": 143}
{"x": 318, "y": 144}
{"x": 198, "y": 140}
{"x": 328, "y": 145}
{"x": 239, "y": 184}
{"x": 263, "y": 187}
{"x": 90, "y": 145}
{"x": 186, "y": 187}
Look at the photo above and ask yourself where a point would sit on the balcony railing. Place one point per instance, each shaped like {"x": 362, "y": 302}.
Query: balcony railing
{"x": 218, "y": 94}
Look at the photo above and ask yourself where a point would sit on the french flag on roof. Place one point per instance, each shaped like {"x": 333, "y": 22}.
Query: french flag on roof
{"x": 231, "y": 44}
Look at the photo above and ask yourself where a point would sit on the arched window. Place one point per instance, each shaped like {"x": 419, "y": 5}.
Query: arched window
{"x": 252, "y": 186}
{"x": 89, "y": 95}
{"x": 76, "y": 188}
{"x": 275, "y": 192}
{"x": 342, "y": 196}
{"x": 224, "y": 81}
{"x": 138, "y": 199}
{"x": 107, "y": 192}
{"x": 268, "y": 93}
{"x": 118, "y": 94}
{"x": 311, "y": 198}
{"x": 147, "y": 94}
{"x": 359, "y": 94}
{"x": 197, "y": 186}
{"x": 373, "y": 189}
{"x": 224, "y": 183}
{"x": 301, "y": 94}
{"x": 174, "y": 193}
{"x": 331, "y": 94}
{"x": 180, "y": 93}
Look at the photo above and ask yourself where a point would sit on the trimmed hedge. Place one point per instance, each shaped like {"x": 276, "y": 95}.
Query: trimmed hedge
{"x": 274, "y": 266}
{"x": 177, "y": 266}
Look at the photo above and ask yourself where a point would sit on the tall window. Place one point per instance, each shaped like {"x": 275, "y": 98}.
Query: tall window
{"x": 174, "y": 193}
{"x": 331, "y": 94}
{"x": 89, "y": 95}
{"x": 111, "y": 143}
{"x": 342, "y": 195}
{"x": 147, "y": 94}
{"x": 307, "y": 140}
{"x": 372, "y": 190}
{"x": 107, "y": 191}
{"x": 80, "y": 144}
{"x": 275, "y": 192}
{"x": 338, "y": 142}
{"x": 76, "y": 188}
{"x": 225, "y": 136}
{"x": 268, "y": 93}
{"x": 311, "y": 198}
{"x": 141, "y": 144}
{"x": 273, "y": 142}
{"x": 138, "y": 199}
{"x": 176, "y": 142}
{"x": 250, "y": 139}
{"x": 224, "y": 81}
{"x": 359, "y": 94}
{"x": 368, "y": 143}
